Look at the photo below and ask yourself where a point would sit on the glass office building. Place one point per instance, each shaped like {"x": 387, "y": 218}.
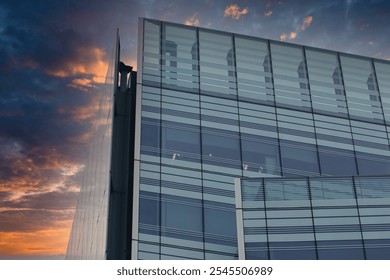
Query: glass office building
{"x": 305, "y": 130}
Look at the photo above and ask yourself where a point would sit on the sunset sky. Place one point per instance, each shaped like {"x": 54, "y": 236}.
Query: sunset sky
{"x": 53, "y": 60}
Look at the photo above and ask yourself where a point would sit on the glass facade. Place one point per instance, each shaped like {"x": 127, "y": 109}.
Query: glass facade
{"x": 88, "y": 237}
{"x": 314, "y": 218}
{"x": 216, "y": 106}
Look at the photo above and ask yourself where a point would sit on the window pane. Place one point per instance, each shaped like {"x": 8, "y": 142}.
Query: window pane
{"x": 337, "y": 162}
{"x": 150, "y": 137}
{"x": 299, "y": 159}
{"x": 180, "y": 58}
{"x": 254, "y": 77}
{"x": 217, "y": 66}
{"x": 326, "y": 85}
{"x": 336, "y": 219}
{"x": 301, "y": 250}
{"x": 181, "y": 218}
{"x": 382, "y": 74}
{"x": 220, "y": 227}
{"x": 373, "y": 195}
{"x": 361, "y": 89}
{"x": 149, "y": 213}
{"x": 372, "y": 164}
{"x": 260, "y": 155}
{"x": 181, "y": 142}
{"x": 289, "y": 219}
{"x": 221, "y": 148}
{"x": 340, "y": 250}
{"x": 151, "y": 74}
{"x": 290, "y": 77}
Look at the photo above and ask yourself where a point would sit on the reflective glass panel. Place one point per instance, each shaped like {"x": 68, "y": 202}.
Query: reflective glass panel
{"x": 361, "y": 88}
{"x": 382, "y": 69}
{"x": 254, "y": 76}
{"x": 326, "y": 84}
{"x": 217, "y": 65}
{"x": 179, "y": 57}
{"x": 290, "y": 76}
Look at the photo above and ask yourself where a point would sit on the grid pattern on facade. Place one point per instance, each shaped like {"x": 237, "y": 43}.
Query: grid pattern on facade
{"x": 216, "y": 106}
{"x": 315, "y": 218}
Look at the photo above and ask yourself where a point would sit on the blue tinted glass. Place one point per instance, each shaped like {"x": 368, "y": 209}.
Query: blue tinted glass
{"x": 372, "y": 164}
{"x": 377, "y": 249}
{"x": 299, "y": 159}
{"x": 150, "y": 133}
{"x": 337, "y": 162}
{"x": 326, "y": 85}
{"x": 149, "y": 213}
{"x": 220, "y": 224}
{"x": 181, "y": 144}
{"x": 361, "y": 88}
{"x": 217, "y": 65}
{"x": 151, "y": 73}
{"x": 340, "y": 250}
{"x": 290, "y": 76}
{"x": 179, "y": 57}
{"x": 303, "y": 250}
{"x": 261, "y": 155}
{"x": 383, "y": 73}
{"x": 256, "y": 251}
{"x": 181, "y": 217}
{"x": 221, "y": 148}
{"x": 254, "y": 77}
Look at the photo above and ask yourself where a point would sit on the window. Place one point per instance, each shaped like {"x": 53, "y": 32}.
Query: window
{"x": 180, "y": 58}
{"x": 361, "y": 89}
{"x": 299, "y": 159}
{"x": 180, "y": 142}
{"x": 221, "y": 148}
{"x": 254, "y": 77}
{"x": 217, "y": 65}
{"x": 181, "y": 218}
{"x": 326, "y": 85}
{"x": 337, "y": 162}
{"x": 290, "y": 77}
{"x": 260, "y": 155}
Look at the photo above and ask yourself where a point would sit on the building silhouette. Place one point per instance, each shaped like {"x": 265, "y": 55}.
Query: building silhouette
{"x": 226, "y": 146}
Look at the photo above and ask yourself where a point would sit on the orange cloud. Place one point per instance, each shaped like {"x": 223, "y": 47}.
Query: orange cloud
{"x": 49, "y": 242}
{"x": 37, "y": 204}
{"x": 283, "y": 37}
{"x": 306, "y": 22}
{"x": 40, "y": 170}
{"x": 234, "y": 11}
{"x": 82, "y": 84}
{"x": 291, "y": 36}
{"x": 192, "y": 21}
{"x": 89, "y": 60}
{"x": 268, "y": 14}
